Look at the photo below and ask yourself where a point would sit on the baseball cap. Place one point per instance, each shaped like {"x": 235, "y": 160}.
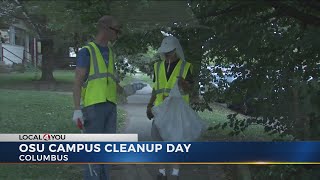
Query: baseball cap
{"x": 168, "y": 44}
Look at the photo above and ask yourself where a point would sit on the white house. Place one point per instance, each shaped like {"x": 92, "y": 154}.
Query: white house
{"x": 19, "y": 45}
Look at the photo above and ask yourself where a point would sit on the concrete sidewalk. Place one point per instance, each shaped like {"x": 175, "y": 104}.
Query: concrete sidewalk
{"x": 138, "y": 122}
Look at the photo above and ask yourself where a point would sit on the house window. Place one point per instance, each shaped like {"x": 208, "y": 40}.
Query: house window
{"x": 20, "y": 37}
{"x": 4, "y": 35}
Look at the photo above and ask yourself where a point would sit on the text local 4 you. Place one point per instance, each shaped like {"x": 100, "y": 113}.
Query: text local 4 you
{"x": 154, "y": 147}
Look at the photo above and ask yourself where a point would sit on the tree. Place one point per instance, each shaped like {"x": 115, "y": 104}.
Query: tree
{"x": 7, "y": 10}
{"x": 271, "y": 47}
{"x": 58, "y": 28}
{"x": 66, "y": 24}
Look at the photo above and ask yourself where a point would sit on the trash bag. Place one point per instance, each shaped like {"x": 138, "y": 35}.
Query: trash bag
{"x": 176, "y": 120}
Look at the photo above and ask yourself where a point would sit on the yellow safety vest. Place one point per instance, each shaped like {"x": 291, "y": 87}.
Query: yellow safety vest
{"x": 162, "y": 86}
{"x": 100, "y": 85}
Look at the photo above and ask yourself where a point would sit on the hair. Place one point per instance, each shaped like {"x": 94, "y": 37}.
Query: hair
{"x": 105, "y": 21}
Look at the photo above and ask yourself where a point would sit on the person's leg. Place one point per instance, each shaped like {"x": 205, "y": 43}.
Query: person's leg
{"x": 94, "y": 122}
{"x": 157, "y": 137}
{"x": 109, "y": 127}
{"x": 94, "y": 117}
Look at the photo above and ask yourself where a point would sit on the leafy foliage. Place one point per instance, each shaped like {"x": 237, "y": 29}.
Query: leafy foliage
{"x": 283, "y": 172}
{"x": 270, "y": 47}
{"x": 275, "y": 60}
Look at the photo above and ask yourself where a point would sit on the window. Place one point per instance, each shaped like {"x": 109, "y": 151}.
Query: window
{"x": 20, "y": 37}
{"x": 4, "y": 35}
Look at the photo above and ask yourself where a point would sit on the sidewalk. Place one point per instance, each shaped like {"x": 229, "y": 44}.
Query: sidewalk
{"x": 139, "y": 123}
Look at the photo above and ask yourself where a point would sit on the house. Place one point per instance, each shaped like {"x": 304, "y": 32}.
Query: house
{"x": 19, "y": 44}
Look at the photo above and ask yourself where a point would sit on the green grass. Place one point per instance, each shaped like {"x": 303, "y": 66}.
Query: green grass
{"x": 122, "y": 116}
{"x": 45, "y": 171}
{"x": 39, "y": 112}
{"x": 126, "y": 80}
{"x": 16, "y": 77}
{"x": 137, "y": 76}
{"x": 64, "y": 76}
{"x": 26, "y": 81}
{"x": 144, "y": 77}
{"x": 219, "y": 115}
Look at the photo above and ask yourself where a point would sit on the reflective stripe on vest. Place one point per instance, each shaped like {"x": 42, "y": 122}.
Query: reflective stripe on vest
{"x": 101, "y": 75}
{"x": 164, "y": 89}
{"x": 100, "y": 85}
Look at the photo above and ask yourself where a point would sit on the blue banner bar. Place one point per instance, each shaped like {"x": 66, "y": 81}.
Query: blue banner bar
{"x": 159, "y": 152}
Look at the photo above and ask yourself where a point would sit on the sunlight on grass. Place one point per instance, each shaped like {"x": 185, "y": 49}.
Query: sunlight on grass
{"x": 39, "y": 112}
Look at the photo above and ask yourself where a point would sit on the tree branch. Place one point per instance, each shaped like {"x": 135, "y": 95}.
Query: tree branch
{"x": 282, "y": 10}
{"x": 288, "y": 11}
{"x": 99, "y": 12}
{"x": 25, "y": 13}
{"x": 315, "y": 5}
{"x": 224, "y": 11}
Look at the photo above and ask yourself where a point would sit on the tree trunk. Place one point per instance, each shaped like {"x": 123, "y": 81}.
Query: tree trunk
{"x": 47, "y": 60}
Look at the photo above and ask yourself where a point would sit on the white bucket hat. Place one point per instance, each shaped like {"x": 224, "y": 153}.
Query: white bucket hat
{"x": 171, "y": 43}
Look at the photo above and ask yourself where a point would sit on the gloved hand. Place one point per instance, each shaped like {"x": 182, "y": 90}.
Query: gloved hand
{"x": 78, "y": 118}
{"x": 149, "y": 112}
{"x": 183, "y": 84}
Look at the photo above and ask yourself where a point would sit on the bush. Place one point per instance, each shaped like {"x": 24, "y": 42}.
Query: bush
{"x": 18, "y": 67}
{"x": 284, "y": 172}
{"x": 4, "y": 68}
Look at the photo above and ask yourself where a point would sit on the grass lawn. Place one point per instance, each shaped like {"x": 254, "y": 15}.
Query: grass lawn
{"x": 219, "y": 115}
{"x": 137, "y": 76}
{"x": 64, "y": 79}
{"x": 39, "y": 112}
{"x": 15, "y": 77}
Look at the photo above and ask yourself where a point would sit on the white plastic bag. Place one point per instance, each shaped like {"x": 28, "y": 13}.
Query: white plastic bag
{"x": 176, "y": 120}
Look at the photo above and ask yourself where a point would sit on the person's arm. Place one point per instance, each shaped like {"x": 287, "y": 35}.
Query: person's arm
{"x": 152, "y": 99}
{"x": 80, "y": 75}
{"x": 187, "y": 83}
{"x": 83, "y": 63}
{"x": 151, "y": 102}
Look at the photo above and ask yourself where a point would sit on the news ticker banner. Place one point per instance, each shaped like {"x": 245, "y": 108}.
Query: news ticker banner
{"x": 125, "y": 148}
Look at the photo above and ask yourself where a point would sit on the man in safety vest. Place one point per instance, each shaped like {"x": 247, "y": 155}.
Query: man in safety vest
{"x": 96, "y": 86}
{"x": 172, "y": 69}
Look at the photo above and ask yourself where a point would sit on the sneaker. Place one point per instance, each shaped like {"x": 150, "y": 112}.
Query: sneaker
{"x": 161, "y": 177}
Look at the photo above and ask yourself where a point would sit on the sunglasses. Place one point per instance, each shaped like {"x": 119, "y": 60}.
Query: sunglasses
{"x": 170, "y": 52}
{"x": 118, "y": 31}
